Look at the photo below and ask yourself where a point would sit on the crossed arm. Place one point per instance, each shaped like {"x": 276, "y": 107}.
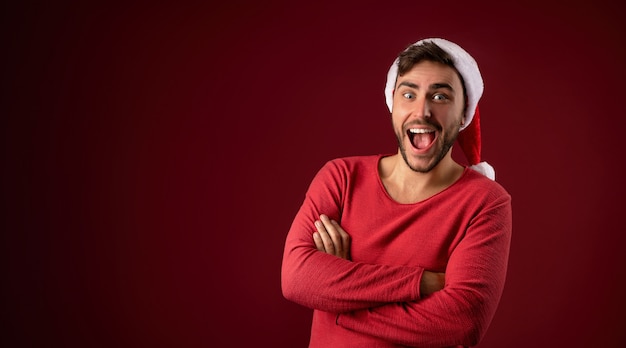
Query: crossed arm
{"x": 458, "y": 313}
{"x": 384, "y": 301}
{"x": 332, "y": 239}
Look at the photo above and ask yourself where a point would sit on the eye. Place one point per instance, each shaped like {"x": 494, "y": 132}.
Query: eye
{"x": 440, "y": 97}
{"x": 408, "y": 95}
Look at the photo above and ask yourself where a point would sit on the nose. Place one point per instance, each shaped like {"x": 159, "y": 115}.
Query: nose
{"x": 421, "y": 108}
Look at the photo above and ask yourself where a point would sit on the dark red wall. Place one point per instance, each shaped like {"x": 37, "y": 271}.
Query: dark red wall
{"x": 154, "y": 156}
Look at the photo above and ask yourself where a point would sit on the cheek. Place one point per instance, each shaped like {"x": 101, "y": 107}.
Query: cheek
{"x": 449, "y": 115}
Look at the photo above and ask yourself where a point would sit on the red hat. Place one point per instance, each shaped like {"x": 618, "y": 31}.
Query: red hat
{"x": 469, "y": 138}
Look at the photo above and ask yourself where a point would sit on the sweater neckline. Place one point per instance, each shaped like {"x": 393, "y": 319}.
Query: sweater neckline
{"x": 391, "y": 199}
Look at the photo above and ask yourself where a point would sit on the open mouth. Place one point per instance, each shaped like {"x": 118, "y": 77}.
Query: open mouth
{"x": 421, "y": 138}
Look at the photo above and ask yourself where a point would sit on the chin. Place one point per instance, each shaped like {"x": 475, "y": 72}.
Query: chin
{"x": 420, "y": 165}
{"x": 423, "y": 168}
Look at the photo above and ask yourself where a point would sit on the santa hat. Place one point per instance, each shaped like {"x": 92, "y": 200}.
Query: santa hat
{"x": 469, "y": 137}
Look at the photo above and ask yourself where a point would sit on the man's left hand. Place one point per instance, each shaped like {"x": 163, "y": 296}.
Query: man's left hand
{"x": 331, "y": 238}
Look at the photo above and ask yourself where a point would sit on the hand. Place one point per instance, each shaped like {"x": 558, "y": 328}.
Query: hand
{"x": 331, "y": 238}
{"x": 431, "y": 282}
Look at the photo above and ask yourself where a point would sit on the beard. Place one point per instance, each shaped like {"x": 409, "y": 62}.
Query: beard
{"x": 443, "y": 145}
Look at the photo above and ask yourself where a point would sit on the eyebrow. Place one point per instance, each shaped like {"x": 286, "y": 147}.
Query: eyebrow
{"x": 433, "y": 86}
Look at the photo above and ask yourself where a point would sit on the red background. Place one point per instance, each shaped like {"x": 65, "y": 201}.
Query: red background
{"x": 154, "y": 156}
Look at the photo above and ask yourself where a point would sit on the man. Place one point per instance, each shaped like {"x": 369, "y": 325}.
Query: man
{"x": 409, "y": 249}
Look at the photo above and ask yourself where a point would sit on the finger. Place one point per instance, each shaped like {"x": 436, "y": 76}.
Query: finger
{"x": 319, "y": 244}
{"x": 345, "y": 237}
{"x": 341, "y": 239}
{"x": 329, "y": 247}
{"x": 334, "y": 234}
{"x": 345, "y": 240}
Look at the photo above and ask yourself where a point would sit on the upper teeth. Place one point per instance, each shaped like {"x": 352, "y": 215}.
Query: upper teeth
{"x": 420, "y": 130}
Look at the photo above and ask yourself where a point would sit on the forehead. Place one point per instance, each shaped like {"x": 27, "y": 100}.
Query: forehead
{"x": 429, "y": 73}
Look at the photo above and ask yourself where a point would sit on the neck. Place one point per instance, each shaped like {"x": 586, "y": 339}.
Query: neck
{"x": 407, "y": 186}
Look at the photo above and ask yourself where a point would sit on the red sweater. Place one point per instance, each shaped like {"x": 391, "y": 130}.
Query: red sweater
{"x": 373, "y": 300}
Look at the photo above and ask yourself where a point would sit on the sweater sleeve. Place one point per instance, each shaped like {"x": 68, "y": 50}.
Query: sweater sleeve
{"x": 325, "y": 282}
{"x": 461, "y": 312}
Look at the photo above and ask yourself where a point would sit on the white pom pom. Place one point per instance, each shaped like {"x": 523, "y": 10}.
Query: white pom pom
{"x": 485, "y": 169}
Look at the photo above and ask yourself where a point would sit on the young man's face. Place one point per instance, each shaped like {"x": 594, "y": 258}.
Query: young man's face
{"x": 427, "y": 114}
